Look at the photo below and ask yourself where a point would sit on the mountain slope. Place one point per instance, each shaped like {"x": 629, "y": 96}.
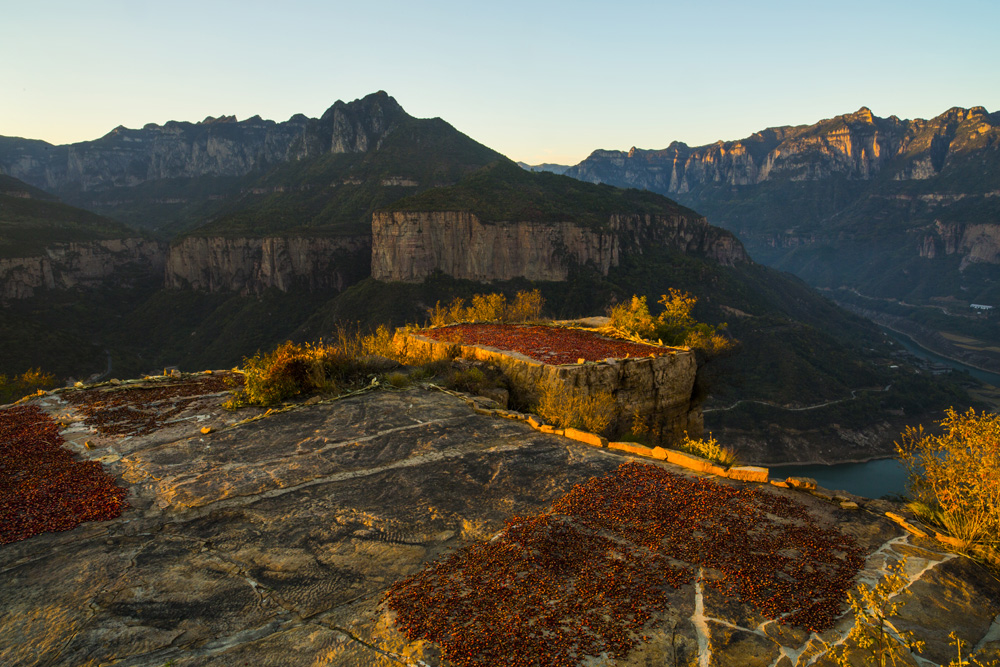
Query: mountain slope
{"x": 165, "y": 176}
{"x": 898, "y": 210}
{"x": 31, "y": 220}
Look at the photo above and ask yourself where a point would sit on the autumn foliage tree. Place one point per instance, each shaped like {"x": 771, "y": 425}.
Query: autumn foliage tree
{"x": 955, "y": 476}
{"x": 673, "y": 326}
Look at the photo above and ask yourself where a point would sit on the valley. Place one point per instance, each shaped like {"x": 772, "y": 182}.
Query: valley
{"x": 254, "y": 232}
{"x": 902, "y": 211}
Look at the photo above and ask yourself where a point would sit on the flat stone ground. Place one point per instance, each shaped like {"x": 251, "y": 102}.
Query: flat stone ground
{"x": 271, "y": 543}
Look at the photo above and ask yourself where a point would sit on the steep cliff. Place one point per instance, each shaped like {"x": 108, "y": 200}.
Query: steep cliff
{"x": 252, "y": 265}
{"x": 409, "y": 246}
{"x": 118, "y": 262}
{"x": 503, "y": 222}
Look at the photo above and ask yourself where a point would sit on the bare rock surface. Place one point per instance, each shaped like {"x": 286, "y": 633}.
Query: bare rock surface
{"x": 271, "y": 542}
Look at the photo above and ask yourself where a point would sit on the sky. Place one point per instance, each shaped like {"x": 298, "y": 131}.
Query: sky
{"x": 539, "y": 81}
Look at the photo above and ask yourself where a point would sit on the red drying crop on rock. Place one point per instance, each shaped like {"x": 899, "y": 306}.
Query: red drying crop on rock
{"x": 550, "y": 345}
{"x": 42, "y": 487}
{"x": 596, "y": 574}
{"x": 144, "y": 409}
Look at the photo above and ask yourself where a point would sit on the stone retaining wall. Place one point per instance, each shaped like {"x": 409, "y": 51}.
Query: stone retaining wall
{"x": 658, "y": 389}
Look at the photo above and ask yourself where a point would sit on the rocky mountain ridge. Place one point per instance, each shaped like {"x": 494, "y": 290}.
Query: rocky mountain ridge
{"x": 898, "y": 210}
{"x": 214, "y": 147}
{"x": 857, "y": 146}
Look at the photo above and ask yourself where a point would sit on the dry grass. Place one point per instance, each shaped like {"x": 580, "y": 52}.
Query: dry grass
{"x": 294, "y": 369}
{"x": 566, "y": 408}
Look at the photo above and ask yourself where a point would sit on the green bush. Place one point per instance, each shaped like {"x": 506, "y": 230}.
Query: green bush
{"x": 471, "y": 380}
{"x": 295, "y": 369}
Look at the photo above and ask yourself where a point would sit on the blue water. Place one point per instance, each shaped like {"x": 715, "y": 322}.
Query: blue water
{"x": 872, "y": 479}
{"x": 883, "y": 477}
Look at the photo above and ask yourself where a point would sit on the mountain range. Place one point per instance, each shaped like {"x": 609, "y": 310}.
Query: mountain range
{"x": 247, "y": 233}
{"x": 900, "y": 217}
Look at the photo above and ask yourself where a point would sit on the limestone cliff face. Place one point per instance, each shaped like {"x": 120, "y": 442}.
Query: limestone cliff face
{"x": 213, "y": 147}
{"x": 973, "y": 242}
{"x": 252, "y": 265}
{"x": 857, "y": 146}
{"x": 409, "y": 246}
{"x": 85, "y": 264}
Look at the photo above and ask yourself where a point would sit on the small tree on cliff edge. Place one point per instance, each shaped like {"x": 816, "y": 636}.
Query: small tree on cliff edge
{"x": 673, "y": 326}
{"x": 955, "y": 476}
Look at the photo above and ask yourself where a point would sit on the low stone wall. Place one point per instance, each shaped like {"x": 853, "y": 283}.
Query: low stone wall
{"x": 658, "y": 389}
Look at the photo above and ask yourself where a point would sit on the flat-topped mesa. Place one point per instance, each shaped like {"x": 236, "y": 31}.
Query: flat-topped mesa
{"x": 656, "y": 390}
{"x": 409, "y": 246}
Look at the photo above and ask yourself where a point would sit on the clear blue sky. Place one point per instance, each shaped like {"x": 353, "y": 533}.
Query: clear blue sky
{"x": 540, "y": 81}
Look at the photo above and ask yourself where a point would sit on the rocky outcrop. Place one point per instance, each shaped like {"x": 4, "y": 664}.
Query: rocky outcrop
{"x": 252, "y": 265}
{"x": 89, "y": 264}
{"x": 214, "y": 147}
{"x": 409, "y": 246}
{"x": 273, "y": 541}
{"x": 659, "y": 390}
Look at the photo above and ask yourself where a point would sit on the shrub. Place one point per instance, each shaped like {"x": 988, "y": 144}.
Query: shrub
{"x": 566, "y": 408}
{"x": 873, "y": 638}
{"x": 527, "y": 307}
{"x": 287, "y": 371}
{"x": 709, "y": 449}
{"x": 490, "y": 308}
{"x": 471, "y": 380}
{"x": 28, "y": 382}
{"x": 399, "y": 380}
{"x": 955, "y": 476}
{"x": 294, "y": 369}
{"x": 673, "y": 326}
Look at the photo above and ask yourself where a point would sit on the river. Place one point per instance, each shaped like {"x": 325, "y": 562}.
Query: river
{"x": 907, "y": 343}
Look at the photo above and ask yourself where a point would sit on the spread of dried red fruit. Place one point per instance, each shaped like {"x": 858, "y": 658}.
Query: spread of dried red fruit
{"x": 596, "y": 573}
{"x": 140, "y": 410}
{"x": 550, "y": 345}
{"x": 42, "y": 486}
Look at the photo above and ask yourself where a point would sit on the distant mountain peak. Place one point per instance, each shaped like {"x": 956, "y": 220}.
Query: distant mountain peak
{"x": 864, "y": 115}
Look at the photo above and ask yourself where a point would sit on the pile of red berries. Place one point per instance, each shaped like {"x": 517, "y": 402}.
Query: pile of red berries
{"x": 592, "y": 576}
{"x": 42, "y": 486}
